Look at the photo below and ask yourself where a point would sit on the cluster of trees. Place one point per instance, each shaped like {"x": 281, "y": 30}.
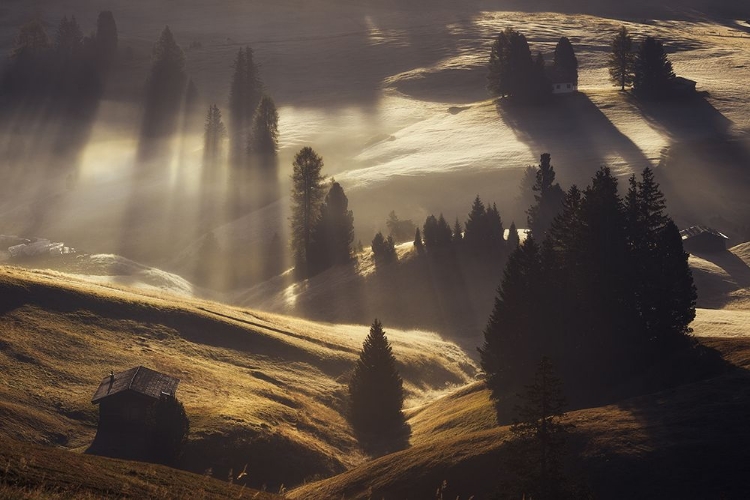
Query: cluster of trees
{"x": 606, "y": 293}
{"x": 376, "y": 394}
{"x": 322, "y": 225}
{"x": 69, "y": 68}
{"x": 648, "y": 70}
{"x": 513, "y": 72}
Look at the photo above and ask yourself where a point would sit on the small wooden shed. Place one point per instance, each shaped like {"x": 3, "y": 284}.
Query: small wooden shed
{"x": 702, "y": 239}
{"x": 124, "y": 401}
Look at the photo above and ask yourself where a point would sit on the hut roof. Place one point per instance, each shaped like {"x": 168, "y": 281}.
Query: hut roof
{"x": 139, "y": 379}
{"x": 693, "y": 231}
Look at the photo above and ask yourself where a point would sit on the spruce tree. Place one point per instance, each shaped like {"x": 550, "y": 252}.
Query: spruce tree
{"x": 376, "y": 394}
{"x": 264, "y": 138}
{"x": 333, "y": 232}
{"x": 565, "y": 62}
{"x": 429, "y": 233}
{"x": 513, "y": 238}
{"x": 213, "y": 137}
{"x": 548, "y": 198}
{"x": 511, "y": 68}
{"x": 457, "y": 233}
{"x": 495, "y": 231}
{"x": 106, "y": 38}
{"x": 477, "y": 229}
{"x": 418, "y": 245}
{"x": 653, "y": 71}
{"x": 539, "y": 433}
{"x": 443, "y": 233}
{"x": 383, "y": 249}
{"x": 307, "y": 195}
{"x": 69, "y": 37}
{"x": 511, "y": 337}
{"x": 622, "y": 59}
{"x": 165, "y": 88}
{"x": 237, "y": 108}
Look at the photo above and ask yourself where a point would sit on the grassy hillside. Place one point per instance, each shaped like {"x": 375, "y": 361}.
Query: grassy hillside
{"x": 687, "y": 442}
{"x": 33, "y": 472}
{"x": 262, "y": 391}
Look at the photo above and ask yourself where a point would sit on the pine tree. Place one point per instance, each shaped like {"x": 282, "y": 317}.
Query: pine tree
{"x": 622, "y": 59}
{"x": 165, "y": 88}
{"x": 457, "y": 233}
{"x": 511, "y": 68}
{"x": 418, "y": 245}
{"x": 69, "y": 37}
{"x": 254, "y": 92}
{"x": 513, "y": 239}
{"x": 565, "y": 62}
{"x": 376, "y": 394}
{"x": 237, "y": 112}
{"x": 333, "y": 232}
{"x": 307, "y": 195}
{"x": 495, "y": 231}
{"x": 548, "y": 198}
{"x": 213, "y": 136}
{"x": 106, "y": 38}
{"x": 540, "y": 436}
{"x": 477, "y": 229}
{"x": 653, "y": 72}
{"x": 443, "y": 233}
{"x": 383, "y": 249}
{"x": 264, "y": 138}
{"x": 511, "y": 337}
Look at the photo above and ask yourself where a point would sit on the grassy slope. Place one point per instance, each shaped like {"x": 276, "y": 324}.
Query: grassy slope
{"x": 34, "y": 472}
{"x": 688, "y": 442}
{"x": 262, "y": 390}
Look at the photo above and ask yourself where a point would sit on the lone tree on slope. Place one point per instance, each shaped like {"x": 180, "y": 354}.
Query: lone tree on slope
{"x": 264, "y": 137}
{"x": 307, "y": 195}
{"x": 376, "y": 394}
{"x": 622, "y": 59}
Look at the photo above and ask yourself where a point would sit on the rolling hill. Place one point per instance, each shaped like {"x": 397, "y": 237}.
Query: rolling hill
{"x": 262, "y": 391}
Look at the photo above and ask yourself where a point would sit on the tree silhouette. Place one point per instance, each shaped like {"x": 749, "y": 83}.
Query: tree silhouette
{"x": 512, "y": 72}
{"x": 333, "y": 232}
{"x": 106, "y": 38}
{"x": 539, "y": 446}
{"x": 548, "y": 198}
{"x": 653, "y": 72}
{"x": 69, "y": 37}
{"x": 565, "y": 62}
{"x": 477, "y": 230}
{"x": 418, "y": 244}
{"x": 376, "y": 394}
{"x": 165, "y": 87}
{"x": 245, "y": 93}
{"x": 264, "y": 137}
{"x": 513, "y": 239}
{"x": 612, "y": 281}
{"x": 400, "y": 230}
{"x": 622, "y": 59}
{"x": 213, "y": 137}
{"x": 457, "y": 233}
{"x": 383, "y": 249}
{"x": 307, "y": 195}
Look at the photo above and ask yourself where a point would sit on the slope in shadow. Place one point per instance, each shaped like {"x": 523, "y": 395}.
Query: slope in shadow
{"x": 577, "y": 134}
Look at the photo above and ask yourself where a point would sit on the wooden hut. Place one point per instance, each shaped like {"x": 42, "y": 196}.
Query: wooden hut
{"x": 124, "y": 401}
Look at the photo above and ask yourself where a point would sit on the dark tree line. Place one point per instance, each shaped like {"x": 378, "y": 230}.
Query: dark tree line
{"x": 606, "y": 293}
{"x": 65, "y": 74}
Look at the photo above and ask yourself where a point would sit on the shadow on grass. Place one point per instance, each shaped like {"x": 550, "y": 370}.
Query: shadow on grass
{"x": 578, "y": 135}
